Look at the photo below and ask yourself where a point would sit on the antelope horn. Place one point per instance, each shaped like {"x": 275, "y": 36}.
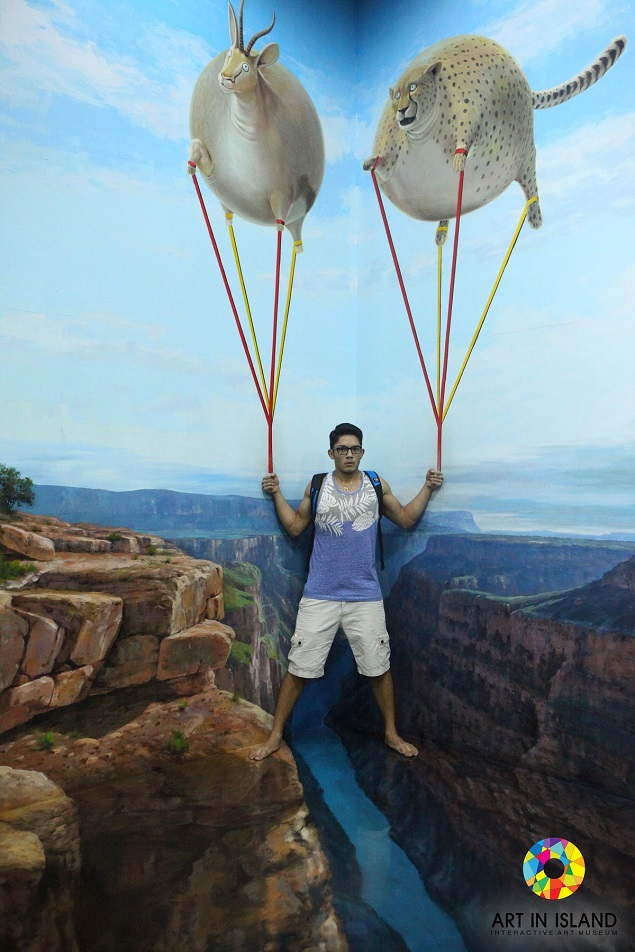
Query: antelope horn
{"x": 258, "y": 35}
{"x": 241, "y": 41}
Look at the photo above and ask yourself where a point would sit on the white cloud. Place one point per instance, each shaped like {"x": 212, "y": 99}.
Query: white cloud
{"x": 97, "y": 337}
{"x": 59, "y": 169}
{"x": 44, "y": 54}
{"x": 536, "y": 28}
{"x": 585, "y": 172}
{"x": 339, "y": 136}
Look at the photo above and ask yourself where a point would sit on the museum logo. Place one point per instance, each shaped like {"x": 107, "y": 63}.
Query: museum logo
{"x": 553, "y": 868}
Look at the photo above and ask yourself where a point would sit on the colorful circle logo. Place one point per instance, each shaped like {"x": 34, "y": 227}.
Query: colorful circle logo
{"x": 554, "y": 868}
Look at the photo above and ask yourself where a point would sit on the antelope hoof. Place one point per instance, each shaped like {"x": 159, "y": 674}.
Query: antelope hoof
{"x": 200, "y": 157}
{"x": 441, "y": 233}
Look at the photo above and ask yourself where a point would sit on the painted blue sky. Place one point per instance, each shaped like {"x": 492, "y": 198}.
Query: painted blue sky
{"x": 120, "y": 366}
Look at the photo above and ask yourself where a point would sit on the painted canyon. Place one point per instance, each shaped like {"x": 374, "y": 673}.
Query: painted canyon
{"x": 137, "y": 673}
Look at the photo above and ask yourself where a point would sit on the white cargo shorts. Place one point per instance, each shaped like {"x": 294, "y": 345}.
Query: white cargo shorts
{"x": 363, "y": 623}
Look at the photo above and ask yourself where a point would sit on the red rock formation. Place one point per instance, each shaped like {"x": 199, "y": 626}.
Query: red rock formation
{"x": 522, "y": 710}
{"x": 39, "y": 863}
{"x": 31, "y": 545}
{"x": 184, "y": 845}
{"x": 255, "y": 674}
{"x": 546, "y": 681}
{"x": 105, "y": 618}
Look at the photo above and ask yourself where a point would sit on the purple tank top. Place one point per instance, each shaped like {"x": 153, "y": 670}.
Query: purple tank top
{"x": 342, "y": 566}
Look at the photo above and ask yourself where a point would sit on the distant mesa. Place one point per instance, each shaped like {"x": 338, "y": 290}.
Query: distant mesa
{"x": 509, "y": 566}
{"x": 171, "y": 513}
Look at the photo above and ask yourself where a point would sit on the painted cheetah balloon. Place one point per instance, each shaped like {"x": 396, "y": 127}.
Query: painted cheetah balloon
{"x": 465, "y": 93}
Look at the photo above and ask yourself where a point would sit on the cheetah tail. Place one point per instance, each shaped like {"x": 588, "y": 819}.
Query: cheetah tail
{"x": 545, "y": 98}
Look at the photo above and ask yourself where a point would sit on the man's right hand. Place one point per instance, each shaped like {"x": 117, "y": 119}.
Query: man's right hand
{"x": 270, "y": 484}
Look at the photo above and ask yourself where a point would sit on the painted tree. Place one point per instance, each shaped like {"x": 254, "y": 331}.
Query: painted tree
{"x": 14, "y": 489}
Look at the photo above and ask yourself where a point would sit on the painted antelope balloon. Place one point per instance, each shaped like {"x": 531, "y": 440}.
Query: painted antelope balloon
{"x": 465, "y": 93}
{"x": 255, "y": 134}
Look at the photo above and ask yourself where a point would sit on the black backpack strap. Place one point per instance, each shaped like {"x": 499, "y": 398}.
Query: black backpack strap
{"x": 316, "y": 485}
{"x": 376, "y": 481}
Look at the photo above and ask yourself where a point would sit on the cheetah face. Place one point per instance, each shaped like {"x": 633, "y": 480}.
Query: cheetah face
{"x": 413, "y": 99}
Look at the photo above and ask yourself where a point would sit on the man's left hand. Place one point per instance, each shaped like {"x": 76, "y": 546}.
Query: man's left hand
{"x": 434, "y": 479}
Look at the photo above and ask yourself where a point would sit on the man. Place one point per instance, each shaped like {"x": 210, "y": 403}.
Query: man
{"x": 342, "y": 588}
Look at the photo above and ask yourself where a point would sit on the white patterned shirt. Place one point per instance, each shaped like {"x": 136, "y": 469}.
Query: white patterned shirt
{"x": 342, "y": 566}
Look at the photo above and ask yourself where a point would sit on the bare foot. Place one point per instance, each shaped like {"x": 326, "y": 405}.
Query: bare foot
{"x": 259, "y": 753}
{"x": 401, "y": 746}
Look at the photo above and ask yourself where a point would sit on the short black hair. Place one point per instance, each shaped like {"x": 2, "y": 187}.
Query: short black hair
{"x": 345, "y": 429}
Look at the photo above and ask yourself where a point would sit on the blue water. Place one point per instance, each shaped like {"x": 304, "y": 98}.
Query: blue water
{"x": 391, "y": 884}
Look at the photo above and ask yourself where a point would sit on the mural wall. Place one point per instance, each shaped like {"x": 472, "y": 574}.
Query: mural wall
{"x": 122, "y": 376}
{"x": 121, "y": 365}
{"x": 552, "y": 338}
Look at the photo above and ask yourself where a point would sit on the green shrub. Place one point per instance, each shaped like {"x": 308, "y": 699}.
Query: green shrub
{"x": 236, "y": 697}
{"x": 242, "y": 574}
{"x": 237, "y": 578}
{"x": 114, "y": 537}
{"x": 235, "y": 598}
{"x": 178, "y": 743}
{"x": 15, "y": 569}
{"x": 182, "y": 705}
{"x": 241, "y": 653}
{"x": 272, "y": 647}
{"x": 152, "y": 550}
{"x": 46, "y": 741}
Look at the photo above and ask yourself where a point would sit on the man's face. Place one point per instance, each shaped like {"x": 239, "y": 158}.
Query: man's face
{"x": 347, "y": 454}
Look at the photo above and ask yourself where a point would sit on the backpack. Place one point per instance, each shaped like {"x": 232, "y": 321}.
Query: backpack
{"x": 316, "y": 485}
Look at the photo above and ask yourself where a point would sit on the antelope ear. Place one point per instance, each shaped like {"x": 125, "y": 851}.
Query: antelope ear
{"x": 233, "y": 25}
{"x": 268, "y": 55}
{"x": 391, "y": 92}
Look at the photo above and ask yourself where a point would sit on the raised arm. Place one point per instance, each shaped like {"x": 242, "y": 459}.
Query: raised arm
{"x": 294, "y": 521}
{"x": 407, "y": 516}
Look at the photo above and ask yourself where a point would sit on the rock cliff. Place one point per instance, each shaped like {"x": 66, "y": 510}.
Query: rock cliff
{"x": 105, "y": 609}
{"x": 522, "y": 707}
{"x": 39, "y": 863}
{"x": 137, "y": 763}
{"x": 264, "y": 576}
{"x": 516, "y": 565}
{"x": 185, "y": 843}
{"x": 545, "y": 680}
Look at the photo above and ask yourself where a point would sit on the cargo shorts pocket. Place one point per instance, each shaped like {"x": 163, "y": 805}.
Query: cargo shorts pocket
{"x": 294, "y": 644}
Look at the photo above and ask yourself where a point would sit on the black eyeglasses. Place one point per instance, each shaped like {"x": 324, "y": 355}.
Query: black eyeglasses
{"x": 345, "y": 450}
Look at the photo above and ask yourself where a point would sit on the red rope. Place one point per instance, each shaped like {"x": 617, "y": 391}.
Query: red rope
{"x": 403, "y": 291}
{"x": 229, "y": 295}
{"x": 446, "y": 352}
{"x": 459, "y": 202}
{"x": 273, "y": 348}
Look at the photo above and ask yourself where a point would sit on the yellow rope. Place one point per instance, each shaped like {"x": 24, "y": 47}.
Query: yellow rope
{"x": 296, "y": 245}
{"x": 439, "y": 276}
{"x": 229, "y": 216}
{"x": 439, "y": 279}
{"x": 489, "y": 301}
